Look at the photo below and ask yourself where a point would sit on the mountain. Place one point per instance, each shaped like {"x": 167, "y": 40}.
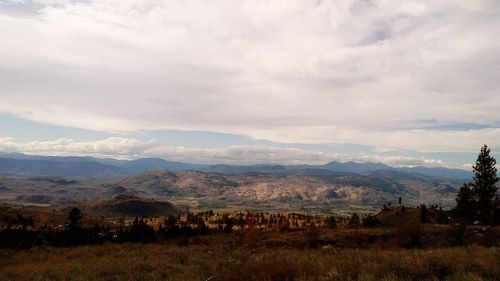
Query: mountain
{"x": 242, "y": 169}
{"x": 98, "y": 168}
{"x": 354, "y": 167}
{"x": 363, "y": 168}
{"x": 21, "y": 156}
{"x": 439, "y": 172}
{"x": 65, "y": 167}
{"x": 16, "y": 164}
{"x": 337, "y": 167}
{"x": 145, "y": 164}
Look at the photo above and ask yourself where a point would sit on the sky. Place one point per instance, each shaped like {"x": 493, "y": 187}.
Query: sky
{"x": 404, "y": 83}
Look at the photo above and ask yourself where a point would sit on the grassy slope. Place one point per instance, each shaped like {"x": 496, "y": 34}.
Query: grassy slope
{"x": 199, "y": 262}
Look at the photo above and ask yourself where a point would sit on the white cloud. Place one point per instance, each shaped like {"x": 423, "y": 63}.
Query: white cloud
{"x": 251, "y": 155}
{"x": 128, "y": 148}
{"x": 393, "y": 140}
{"x": 110, "y": 147}
{"x": 289, "y": 71}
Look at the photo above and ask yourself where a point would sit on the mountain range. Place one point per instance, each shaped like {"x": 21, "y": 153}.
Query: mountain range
{"x": 86, "y": 180}
{"x": 16, "y": 164}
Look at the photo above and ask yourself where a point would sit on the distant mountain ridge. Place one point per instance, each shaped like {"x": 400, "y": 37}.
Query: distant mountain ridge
{"x": 339, "y": 167}
{"x": 18, "y": 164}
{"x": 68, "y": 168}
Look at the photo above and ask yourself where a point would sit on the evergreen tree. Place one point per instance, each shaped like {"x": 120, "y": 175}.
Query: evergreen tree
{"x": 496, "y": 213}
{"x": 424, "y": 214}
{"x": 370, "y": 221}
{"x": 355, "y": 220}
{"x": 331, "y": 221}
{"x": 441, "y": 216}
{"x": 74, "y": 216}
{"x": 466, "y": 202}
{"x": 484, "y": 185}
{"x": 76, "y": 233}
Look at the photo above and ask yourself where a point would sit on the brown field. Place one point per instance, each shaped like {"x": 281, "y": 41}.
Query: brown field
{"x": 216, "y": 258}
{"x": 276, "y": 252}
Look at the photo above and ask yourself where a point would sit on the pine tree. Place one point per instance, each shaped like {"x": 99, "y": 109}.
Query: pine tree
{"x": 331, "y": 221}
{"x": 355, "y": 220}
{"x": 466, "y": 202}
{"x": 74, "y": 216}
{"x": 484, "y": 185}
{"x": 424, "y": 214}
{"x": 496, "y": 213}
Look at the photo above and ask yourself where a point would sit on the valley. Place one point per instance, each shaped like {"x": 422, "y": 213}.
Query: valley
{"x": 259, "y": 191}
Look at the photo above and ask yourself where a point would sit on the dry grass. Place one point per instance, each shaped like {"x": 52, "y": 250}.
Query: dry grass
{"x": 270, "y": 255}
{"x": 218, "y": 257}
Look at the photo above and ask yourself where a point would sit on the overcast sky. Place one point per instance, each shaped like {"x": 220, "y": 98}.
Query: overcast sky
{"x": 228, "y": 81}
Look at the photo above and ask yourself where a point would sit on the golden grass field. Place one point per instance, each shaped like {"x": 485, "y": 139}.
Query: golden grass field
{"x": 220, "y": 259}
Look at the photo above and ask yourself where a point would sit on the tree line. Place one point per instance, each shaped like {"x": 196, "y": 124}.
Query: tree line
{"x": 21, "y": 234}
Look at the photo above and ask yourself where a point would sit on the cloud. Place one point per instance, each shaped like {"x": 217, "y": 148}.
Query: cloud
{"x": 420, "y": 140}
{"x": 302, "y": 71}
{"x": 239, "y": 154}
{"x": 110, "y": 147}
{"x": 129, "y": 148}
{"x": 400, "y": 161}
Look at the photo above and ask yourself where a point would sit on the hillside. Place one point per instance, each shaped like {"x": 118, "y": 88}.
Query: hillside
{"x": 249, "y": 190}
{"x": 132, "y": 206}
